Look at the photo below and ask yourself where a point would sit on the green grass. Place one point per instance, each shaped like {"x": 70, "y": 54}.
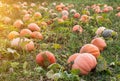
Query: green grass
{"x": 61, "y": 41}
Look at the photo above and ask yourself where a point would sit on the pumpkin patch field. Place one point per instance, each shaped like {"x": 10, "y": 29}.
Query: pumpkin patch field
{"x": 59, "y": 40}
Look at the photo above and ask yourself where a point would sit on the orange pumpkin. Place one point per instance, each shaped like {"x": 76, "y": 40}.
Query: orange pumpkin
{"x": 26, "y": 17}
{"x": 25, "y": 44}
{"x": 38, "y": 14}
{"x": 37, "y": 35}
{"x": 64, "y": 17}
{"x": 29, "y": 46}
{"x": 33, "y": 27}
{"x": 76, "y": 15}
{"x": 25, "y": 32}
{"x": 7, "y": 20}
{"x": 45, "y": 58}
{"x": 13, "y": 34}
{"x": 118, "y": 14}
{"x": 18, "y": 23}
{"x": 72, "y": 57}
{"x": 90, "y": 48}
{"x": 77, "y": 28}
{"x": 100, "y": 43}
{"x": 84, "y": 18}
{"x": 85, "y": 63}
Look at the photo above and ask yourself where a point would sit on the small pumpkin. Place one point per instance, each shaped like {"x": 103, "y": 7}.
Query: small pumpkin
{"x": 18, "y": 23}
{"x": 25, "y": 32}
{"x": 38, "y": 14}
{"x": 72, "y": 11}
{"x": 7, "y": 20}
{"x": 99, "y": 42}
{"x": 65, "y": 12}
{"x": 85, "y": 63}
{"x": 84, "y": 18}
{"x": 64, "y": 17}
{"x": 77, "y": 28}
{"x": 100, "y": 30}
{"x": 118, "y": 14}
{"x": 33, "y": 27}
{"x": 45, "y": 58}
{"x": 26, "y": 17}
{"x": 13, "y": 34}
{"x": 72, "y": 57}
{"x": 90, "y": 48}
{"x": 76, "y": 15}
{"x": 24, "y": 43}
{"x": 37, "y": 35}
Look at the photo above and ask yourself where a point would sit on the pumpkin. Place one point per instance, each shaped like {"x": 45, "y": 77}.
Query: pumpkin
{"x": 118, "y": 8}
{"x": 18, "y": 23}
{"x": 76, "y": 15}
{"x": 25, "y": 32}
{"x": 107, "y": 9}
{"x": 65, "y": 12}
{"x": 13, "y": 34}
{"x": 100, "y": 43}
{"x": 72, "y": 57}
{"x": 84, "y": 18}
{"x": 77, "y": 28}
{"x": 26, "y": 17}
{"x": 100, "y": 30}
{"x": 33, "y": 27}
{"x": 45, "y": 58}
{"x": 118, "y": 14}
{"x": 54, "y": 15}
{"x": 66, "y": 8}
{"x": 29, "y": 46}
{"x": 85, "y": 63}
{"x": 64, "y": 17}
{"x": 37, "y": 14}
{"x": 72, "y": 11}
{"x": 24, "y": 43}
{"x": 37, "y": 35}
{"x": 43, "y": 23}
{"x": 7, "y": 20}
{"x": 90, "y": 48}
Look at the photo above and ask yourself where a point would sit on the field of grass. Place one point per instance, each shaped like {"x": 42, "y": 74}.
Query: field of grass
{"x": 17, "y": 64}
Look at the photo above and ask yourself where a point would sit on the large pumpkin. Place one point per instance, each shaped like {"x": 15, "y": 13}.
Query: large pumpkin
{"x": 45, "y": 58}
{"x": 100, "y": 43}
{"x": 85, "y": 63}
{"x": 72, "y": 57}
{"x": 90, "y": 48}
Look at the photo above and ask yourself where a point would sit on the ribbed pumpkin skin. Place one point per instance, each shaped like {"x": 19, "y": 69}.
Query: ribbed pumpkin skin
{"x": 100, "y": 43}
{"x": 90, "y": 48}
{"x": 45, "y": 58}
{"x": 72, "y": 57}
{"x": 85, "y": 63}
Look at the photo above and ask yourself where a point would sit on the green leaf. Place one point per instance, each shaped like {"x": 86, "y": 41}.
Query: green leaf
{"x": 75, "y": 71}
{"x": 14, "y": 64}
{"x": 54, "y": 66}
{"x": 102, "y": 64}
{"x": 25, "y": 65}
{"x": 39, "y": 69}
{"x": 16, "y": 55}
